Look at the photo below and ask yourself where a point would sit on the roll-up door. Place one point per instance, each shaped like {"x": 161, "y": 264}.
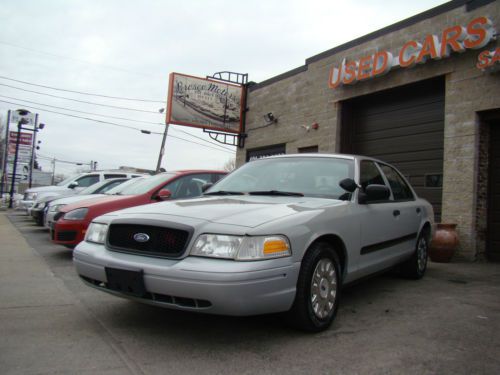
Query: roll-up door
{"x": 404, "y": 127}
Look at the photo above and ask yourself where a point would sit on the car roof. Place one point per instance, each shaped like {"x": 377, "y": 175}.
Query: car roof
{"x": 325, "y": 155}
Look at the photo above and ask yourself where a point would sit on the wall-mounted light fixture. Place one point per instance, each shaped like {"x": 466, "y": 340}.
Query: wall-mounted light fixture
{"x": 270, "y": 118}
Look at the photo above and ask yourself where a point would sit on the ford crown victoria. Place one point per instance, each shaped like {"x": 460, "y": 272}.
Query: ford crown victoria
{"x": 281, "y": 234}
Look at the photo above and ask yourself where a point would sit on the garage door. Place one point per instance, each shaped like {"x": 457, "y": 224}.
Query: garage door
{"x": 494, "y": 194}
{"x": 404, "y": 127}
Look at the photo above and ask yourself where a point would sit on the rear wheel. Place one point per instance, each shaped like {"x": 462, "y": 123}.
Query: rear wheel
{"x": 318, "y": 289}
{"x": 415, "y": 267}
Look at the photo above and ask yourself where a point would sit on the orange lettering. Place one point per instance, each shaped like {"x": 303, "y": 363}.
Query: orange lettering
{"x": 483, "y": 60}
{"x": 407, "y": 54}
{"x": 496, "y": 56}
{"x": 452, "y": 37}
{"x": 428, "y": 49}
{"x": 335, "y": 77}
{"x": 385, "y": 65}
{"x": 480, "y": 33}
{"x": 364, "y": 64}
{"x": 350, "y": 72}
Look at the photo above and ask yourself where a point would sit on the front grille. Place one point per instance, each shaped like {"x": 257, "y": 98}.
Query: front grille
{"x": 66, "y": 236}
{"x": 167, "y": 242}
{"x": 157, "y": 297}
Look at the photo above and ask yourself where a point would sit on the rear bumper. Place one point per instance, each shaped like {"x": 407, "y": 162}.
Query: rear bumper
{"x": 197, "y": 284}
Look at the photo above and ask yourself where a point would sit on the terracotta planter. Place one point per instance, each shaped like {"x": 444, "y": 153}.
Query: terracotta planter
{"x": 444, "y": 243}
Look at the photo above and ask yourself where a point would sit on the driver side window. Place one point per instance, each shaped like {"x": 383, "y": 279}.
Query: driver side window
{"x": 369, "y": 174}
{"x": 87, "y": 181}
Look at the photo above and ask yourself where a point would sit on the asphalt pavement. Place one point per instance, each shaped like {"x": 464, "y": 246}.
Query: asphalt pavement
{"x": 51, "y": 323}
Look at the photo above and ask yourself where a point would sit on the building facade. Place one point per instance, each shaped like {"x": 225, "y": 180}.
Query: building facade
{"x": 422, "y": 94}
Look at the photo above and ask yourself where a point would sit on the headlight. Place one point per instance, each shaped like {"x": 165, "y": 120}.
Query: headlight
{"x": 78, "y": 214}
{"x": 31, "y": 196}
{"x": 96, "y": 232}
{"x": 241, "y": 247}
{"x": 56, "y": 208}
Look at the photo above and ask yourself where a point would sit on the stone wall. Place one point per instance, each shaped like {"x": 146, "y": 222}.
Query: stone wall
{"x": 301, "y": 99}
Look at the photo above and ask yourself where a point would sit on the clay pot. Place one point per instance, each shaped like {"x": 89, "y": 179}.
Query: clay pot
{"x": 444, "y": 243}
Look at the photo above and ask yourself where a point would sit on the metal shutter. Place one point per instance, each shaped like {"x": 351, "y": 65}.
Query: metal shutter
{"x": 404, "y": 127}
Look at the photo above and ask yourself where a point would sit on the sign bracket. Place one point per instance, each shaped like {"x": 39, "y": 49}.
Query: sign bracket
{"x": 225, "y": 138}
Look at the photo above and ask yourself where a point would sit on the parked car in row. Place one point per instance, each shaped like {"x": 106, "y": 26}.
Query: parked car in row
{"x": 280, "y": 234}
{"x": 101, "y": 189}
{"x": 40, "y": 207}
{"x": 71, "y": 222}
{"x": 70, "y": 186}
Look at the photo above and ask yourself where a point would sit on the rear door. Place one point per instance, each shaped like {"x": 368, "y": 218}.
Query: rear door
{"x": 382, "y": 232}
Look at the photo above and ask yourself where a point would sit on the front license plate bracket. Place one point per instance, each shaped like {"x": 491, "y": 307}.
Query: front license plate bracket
{"x": 130, "y": 282}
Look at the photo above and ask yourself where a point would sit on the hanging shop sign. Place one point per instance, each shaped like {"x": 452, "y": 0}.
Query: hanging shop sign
{"x": 204, "y": 103}
{"x": 475, "y": 35}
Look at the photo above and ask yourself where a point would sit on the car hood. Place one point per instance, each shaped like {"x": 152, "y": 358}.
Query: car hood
{"x": 75, "y": 198}
{"x": 247, "y": 211}
{"x": 98, "y": 201}
{"x": 44, "y": 189}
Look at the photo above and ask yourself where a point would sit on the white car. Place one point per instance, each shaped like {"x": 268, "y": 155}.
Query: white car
{"x": 70, "y": 186}
{"x": 100, "y": 189}
{"x": 281, "y": 234}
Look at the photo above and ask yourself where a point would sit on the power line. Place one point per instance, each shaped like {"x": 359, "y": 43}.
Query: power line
{"x": 115, "y": 117}
{"x": 80, "y": 101}
{"x": 59, "y": 160}
{"x": 72, "y": 58}
{"x": 115, "y": 124}
{"x": 84, "y": 112}
{"x": 81, "y": 92}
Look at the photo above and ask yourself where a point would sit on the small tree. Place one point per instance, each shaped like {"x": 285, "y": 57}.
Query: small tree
{"x": 230, "y": 165}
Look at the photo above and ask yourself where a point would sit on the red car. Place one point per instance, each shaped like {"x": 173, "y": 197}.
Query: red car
{"x": 70, "y": 224}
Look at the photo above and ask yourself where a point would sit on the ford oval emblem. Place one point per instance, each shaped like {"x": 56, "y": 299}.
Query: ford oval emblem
{"x": 141, "y": 237}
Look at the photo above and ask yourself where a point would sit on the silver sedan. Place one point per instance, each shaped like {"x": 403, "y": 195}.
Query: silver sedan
{"x": 281, "y": 234}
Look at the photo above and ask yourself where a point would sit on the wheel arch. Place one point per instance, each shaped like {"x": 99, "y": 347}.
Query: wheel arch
{"x": 427, "y": 230}
{"x": 338, "y": 246}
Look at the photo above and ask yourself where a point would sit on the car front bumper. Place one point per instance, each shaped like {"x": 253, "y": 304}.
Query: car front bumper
{"x": 68, "y": 232}
{"x": 25, "y": 205}
{"x": 206, "y": 285}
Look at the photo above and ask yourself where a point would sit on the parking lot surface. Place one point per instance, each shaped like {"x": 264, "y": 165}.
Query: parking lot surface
{"x": 50, "y": 323}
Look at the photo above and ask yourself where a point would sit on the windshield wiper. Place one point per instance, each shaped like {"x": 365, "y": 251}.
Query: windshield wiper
{"x": 276, "y": 192}
{"x": 224, "y": 192}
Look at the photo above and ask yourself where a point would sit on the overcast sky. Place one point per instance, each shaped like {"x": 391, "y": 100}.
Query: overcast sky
{"x": 127, "y": 49}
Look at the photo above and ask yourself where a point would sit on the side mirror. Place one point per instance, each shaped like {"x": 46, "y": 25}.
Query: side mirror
{"x": 73, "y": 185}
{"x": 164, "y": 194}
{"x": 375, "y": 193}
{"x": 348, "y": 184}
{"x": 206, "y": 186}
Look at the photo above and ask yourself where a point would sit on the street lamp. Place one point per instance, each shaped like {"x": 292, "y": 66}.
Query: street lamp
{"x": 35, "y": 146}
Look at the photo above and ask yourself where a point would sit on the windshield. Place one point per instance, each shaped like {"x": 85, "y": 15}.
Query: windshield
{"x": 308, "y": 176}
{"x": 147, "y": 184}
{"x": 67, "y": 181}
{"x": 124, "y": 185}
{"x": 96, "y": 188}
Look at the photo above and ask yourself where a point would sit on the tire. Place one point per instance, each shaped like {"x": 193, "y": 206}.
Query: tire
{"x": 415, "y": 267}
{"x": 318, "y": 289}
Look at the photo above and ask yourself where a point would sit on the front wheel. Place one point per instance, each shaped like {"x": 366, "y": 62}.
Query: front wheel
{"x": 318, "y": 289}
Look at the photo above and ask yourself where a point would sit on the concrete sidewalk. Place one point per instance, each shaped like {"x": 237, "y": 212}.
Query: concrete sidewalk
{"x": 43, "y": 328}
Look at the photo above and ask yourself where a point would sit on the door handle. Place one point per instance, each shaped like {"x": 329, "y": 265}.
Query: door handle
{"x": 396, "y": 213}
{"x": 418, "y": 210}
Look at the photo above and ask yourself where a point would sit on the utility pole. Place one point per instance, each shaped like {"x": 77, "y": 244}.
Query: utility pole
{"x": 162, "y": 149}
{"x": 6, "y": 153}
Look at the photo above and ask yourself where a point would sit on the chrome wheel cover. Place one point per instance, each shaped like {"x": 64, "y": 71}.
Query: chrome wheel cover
{"x": 324, "y": 288}
{"x": 421, "y": 254}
